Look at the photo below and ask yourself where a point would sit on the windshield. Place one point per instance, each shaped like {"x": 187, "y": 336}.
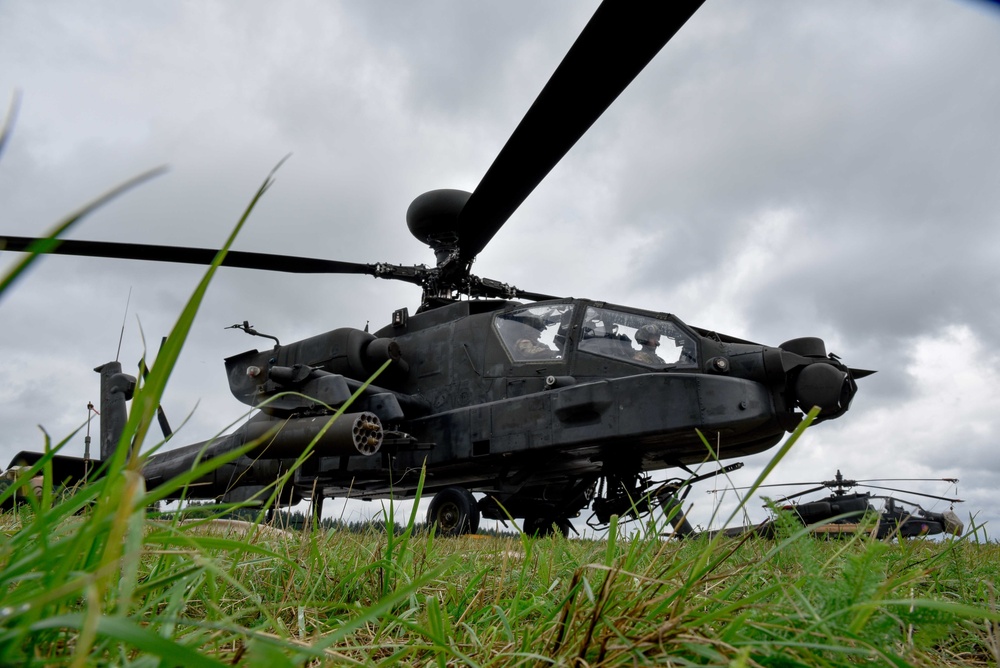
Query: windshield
{"x": 639, "y": 338}
{"x": 535, "y": 333}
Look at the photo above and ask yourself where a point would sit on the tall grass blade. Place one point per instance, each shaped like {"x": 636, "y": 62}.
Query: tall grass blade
{"x": 9, "y": 120}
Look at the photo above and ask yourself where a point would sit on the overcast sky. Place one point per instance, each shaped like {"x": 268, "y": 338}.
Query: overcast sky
{"x": 781, "y": 169}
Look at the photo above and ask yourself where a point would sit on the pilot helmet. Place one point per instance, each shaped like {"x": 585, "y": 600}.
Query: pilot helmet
{"x": 644, "y": 336}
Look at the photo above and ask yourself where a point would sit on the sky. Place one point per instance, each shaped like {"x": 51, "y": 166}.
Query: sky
{"x": 781, "y": 169}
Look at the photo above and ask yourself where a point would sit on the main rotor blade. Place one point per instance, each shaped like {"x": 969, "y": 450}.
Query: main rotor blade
{"x": 617, "y": 43}
{"x": 951, "y": 480}
{"x": 534, "y": 296}
{"x": 798, "y": 494}
{"x": 780, "y": 484}
{"x": 184, "y": 255}
{"x": 907, "y": 491}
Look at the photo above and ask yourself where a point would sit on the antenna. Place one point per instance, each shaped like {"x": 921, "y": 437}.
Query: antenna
{"x": 86, "y": 440}
{"x": 124, "y": 317}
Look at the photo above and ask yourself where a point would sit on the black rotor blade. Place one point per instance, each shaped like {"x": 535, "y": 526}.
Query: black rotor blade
{"x": 906, "y": 491}
{"x": 184, "y": 255}
{"x": 617, "y": 43}
{"x": 534, "y": 296}
{"x": 951, "y": 480}
{"x": 798, "y": 494}
{"x": 782, "y": 484}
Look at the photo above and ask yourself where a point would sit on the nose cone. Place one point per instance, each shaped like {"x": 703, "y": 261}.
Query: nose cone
{"x": 816, "y": 378}
{"x": 822, "y": 385}
{"x": 827, "y": 384}
{"x": 951, "y": 523}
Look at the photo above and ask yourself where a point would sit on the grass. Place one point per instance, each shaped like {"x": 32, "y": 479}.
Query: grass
{"x": 204, "y": 596}
{"x": 87, "y": 579}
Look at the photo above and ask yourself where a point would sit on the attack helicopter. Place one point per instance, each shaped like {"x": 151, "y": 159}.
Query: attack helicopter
{"x": 845, "y": 512}
{"x": 543, "y": 405}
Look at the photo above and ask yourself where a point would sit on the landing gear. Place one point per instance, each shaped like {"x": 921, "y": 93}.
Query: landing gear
{"x": 634, "y": 496}
{"x": 316, "y": 511}
{"x": 453, "y": 512}
{"x": 540, "y": 527}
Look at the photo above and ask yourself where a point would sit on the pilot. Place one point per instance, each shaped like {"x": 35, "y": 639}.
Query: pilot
{"x": 530, "y": 346}
{"x": 648, "y": 336}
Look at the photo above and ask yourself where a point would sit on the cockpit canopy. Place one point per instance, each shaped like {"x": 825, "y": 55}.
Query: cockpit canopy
{"x": 537, "y": 332}
{"x": 649, "y": 340}
{"x": 541, "y": 332}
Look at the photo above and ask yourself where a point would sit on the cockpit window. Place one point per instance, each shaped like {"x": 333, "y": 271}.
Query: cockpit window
{"x": 535, "y": 333}
{"x": 639, "y": 338}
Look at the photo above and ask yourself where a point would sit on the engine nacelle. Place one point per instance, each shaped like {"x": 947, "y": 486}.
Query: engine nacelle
{"x": 348, "y": 352}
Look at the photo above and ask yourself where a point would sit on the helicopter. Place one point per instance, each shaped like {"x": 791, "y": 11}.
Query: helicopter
{"x": 844, "y": 512}
{"x": 545, "y": 407}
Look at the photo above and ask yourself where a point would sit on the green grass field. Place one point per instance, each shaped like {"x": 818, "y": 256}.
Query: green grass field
{"x": 110, "y": 587}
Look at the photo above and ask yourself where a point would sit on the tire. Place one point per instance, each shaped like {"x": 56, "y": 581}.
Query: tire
{"x": 453, "y": 512}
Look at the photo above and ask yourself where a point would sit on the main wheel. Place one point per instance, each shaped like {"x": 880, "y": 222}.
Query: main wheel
{"x": 454, "y": 511}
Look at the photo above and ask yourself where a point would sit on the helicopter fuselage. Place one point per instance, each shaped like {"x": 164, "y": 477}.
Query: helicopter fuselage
{"x": 518, "y": 401}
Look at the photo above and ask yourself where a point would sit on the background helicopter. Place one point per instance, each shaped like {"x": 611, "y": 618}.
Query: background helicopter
{"x": 844, "y": 512}
{"x": 823, "y": 80}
